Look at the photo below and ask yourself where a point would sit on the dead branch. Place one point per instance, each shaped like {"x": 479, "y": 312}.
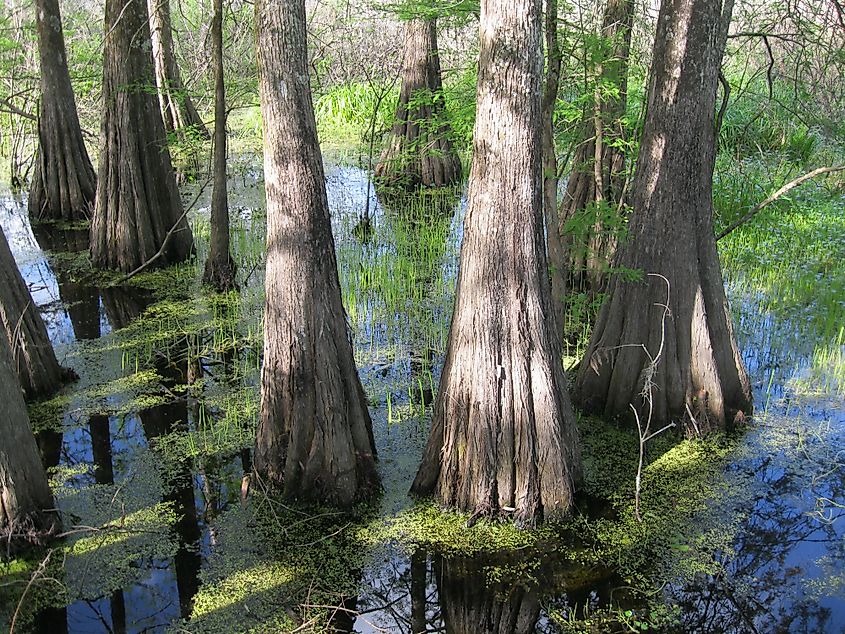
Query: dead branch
{"x": 173, "y": 230}
{"x": 780, "y": 192}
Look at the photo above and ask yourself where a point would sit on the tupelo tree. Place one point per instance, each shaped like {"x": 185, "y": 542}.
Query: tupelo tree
{"x": 38, "y": 371}
{"x": 26, "y": 501}
{"x": 219, "y": 267}
{"x": 595, "y": 189}
{"x": 177, "y": 107}
{"x": 419, "y": 152}
{"x": 138, "y": 215}
{"x": 64, "y": 183}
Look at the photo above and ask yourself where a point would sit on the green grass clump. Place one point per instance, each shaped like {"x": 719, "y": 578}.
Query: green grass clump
{"x": 344, "y": 113}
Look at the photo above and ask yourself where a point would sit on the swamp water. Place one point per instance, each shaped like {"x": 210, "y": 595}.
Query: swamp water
{"x": 149, "y": 448}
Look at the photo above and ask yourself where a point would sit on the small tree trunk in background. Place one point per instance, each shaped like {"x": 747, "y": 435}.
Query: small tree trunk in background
{"x": 671, "y": 233}
{"x": 177, "y": 109}
{"x": 64, "y": 183}
{"x": 503, "y": 431}
{"x": 315, "y": 438}
{"x": 25, "y": 495}
{"x": 137, "y": 198}
{"x": 38, "y": 370}
{"x": 554, "y": 241}
{"x": 219, "y": 267}
{"x": 419, "y": 152}
{"x": 598, "y": 172}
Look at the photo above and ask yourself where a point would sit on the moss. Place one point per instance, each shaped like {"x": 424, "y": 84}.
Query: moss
{"x": 426, "y": 525}
{"x": 680, "y": 530}
{"x": 276, "y": 564}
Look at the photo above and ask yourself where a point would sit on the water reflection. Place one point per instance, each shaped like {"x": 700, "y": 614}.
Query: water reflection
{"x": 159, "y": 421}
{"x": 80, "y": 299}
{"x": 470, "y": 606}
{"x": 431, "y": 593}
{"x": 123, "y": 305}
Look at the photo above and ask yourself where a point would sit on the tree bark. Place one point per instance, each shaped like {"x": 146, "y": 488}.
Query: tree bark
{"x": 315, "y": 439}
{"x": 177, "y": 108}
{"x": 25, "y": 496}
{"x": 700, "y": 374}
{"x": 64, "y": 184}
{"x": 598, "y": 172}
{"x": 419, "y": 152}
{"x": 503, "y": 433}
{"x": 219, "y": 267}
{"x": 137, "y": 198}
{"x": 33, "y": 357}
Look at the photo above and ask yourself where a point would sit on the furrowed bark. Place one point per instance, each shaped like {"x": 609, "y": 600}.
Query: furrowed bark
{"x": 177, "y": 108}
{"x": 419, "y": 152}
{"x": 33, "y": 358}
{"x": 315, "y": 440}
{"x": 219, "y": 267}
{"x": 137, "y": 198}
{"x": 64, "y": 183}
{"x": 25, "y": 497}
{"x": 598, "y": 173}
{"x": 503, "y": 434}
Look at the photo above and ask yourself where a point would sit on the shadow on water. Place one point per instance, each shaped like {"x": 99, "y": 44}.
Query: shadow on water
{"x": 151, "y": 453}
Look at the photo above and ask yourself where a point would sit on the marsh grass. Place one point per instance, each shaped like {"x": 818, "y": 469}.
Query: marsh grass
{"x": 345, "y": 112}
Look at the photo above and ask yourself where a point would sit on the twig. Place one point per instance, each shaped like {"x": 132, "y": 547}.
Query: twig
{"x": 37, "y": 573}
{"x": 647, "y": 394}
{"x": 13, "y": 109}
{"x": 783, "y": 190}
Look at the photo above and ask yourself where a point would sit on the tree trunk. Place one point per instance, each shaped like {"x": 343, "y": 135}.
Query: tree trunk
{"x": 595, "y": 189}
{"x": 64, "y": 184}
{"x": 33, "y": 357}
{"x": 554, "y": 240}
{"x": 699, "y": 373}
{"x": 177, "y": 109}
{"x": 419, "y": 152}
{"x": 25, "y": 496}
{"x": 219, "y": 267}
{"x": 503, "y": 431}
{"x": 137, "y": 198}
{"x": 315, "y": 439}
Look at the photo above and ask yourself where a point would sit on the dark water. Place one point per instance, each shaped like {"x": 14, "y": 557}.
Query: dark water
{"x": 784, "y": 569}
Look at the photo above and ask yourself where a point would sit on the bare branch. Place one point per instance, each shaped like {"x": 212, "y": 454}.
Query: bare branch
{"x": 783, "y": 190}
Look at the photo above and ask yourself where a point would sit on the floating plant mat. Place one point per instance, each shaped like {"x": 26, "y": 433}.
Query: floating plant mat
{"x": 151, "y": 444}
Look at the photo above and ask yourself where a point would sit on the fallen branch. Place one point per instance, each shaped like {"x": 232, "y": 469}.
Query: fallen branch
{"x": 173, "y": 230}
{"x": 783, "y": 190}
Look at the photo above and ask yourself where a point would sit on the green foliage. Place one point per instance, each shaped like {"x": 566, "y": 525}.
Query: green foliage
{"x": 755, "y": 126}
{"x": 459, "y": 91}
{"x": 446, "y": 12}
{"x": 344, "y": 113}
